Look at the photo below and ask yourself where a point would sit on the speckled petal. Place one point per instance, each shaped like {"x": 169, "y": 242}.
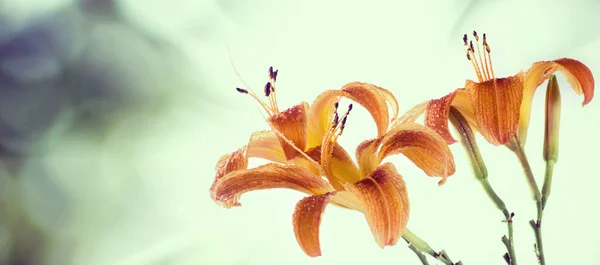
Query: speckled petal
{"x": 228, "y": 189}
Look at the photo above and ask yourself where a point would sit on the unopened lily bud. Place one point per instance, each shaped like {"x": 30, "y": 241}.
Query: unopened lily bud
{"x": 467, "y": 138}
{"x": 552, "y": 123}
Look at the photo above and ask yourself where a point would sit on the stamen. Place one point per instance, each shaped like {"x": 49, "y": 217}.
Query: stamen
{"x": 249, "y": 91}
{"x": 268, "y": 89}
{"x": 479, "y": 62}
{"x": 483, "y": 71}
{"x": 343, "y": 125}
{"x": 272, "y": 80}
{"x": 336, "y": 119}
{"x": 474, "y": 62}
{"x": 288, "y": 141}
{"x": 344, "y": 119}
{"x": 330, "y": 140}
{"x": 488, "y": 51}
{"x": 485, "y": 57}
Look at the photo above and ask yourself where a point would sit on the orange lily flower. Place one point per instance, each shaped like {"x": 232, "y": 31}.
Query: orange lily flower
{"x": 500, "y": 108}
{"x": 302, "y": 147}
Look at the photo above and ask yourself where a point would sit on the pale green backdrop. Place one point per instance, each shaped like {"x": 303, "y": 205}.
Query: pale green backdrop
{"x": 137, "y": 191}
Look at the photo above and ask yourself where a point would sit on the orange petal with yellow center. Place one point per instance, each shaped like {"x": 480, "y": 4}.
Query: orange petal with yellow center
{"x": 423, "y": 146}
{"x": 375, "y": 99}
{"x": 384, "y": 201}
{"x": 292, "y": 123}
{"x": 366, "y": 155}
{"x": 341, "y": 169}
{"x": 228, "y": 189}
{"x": 577, "y": 74}
{"x": 496, "y": 104}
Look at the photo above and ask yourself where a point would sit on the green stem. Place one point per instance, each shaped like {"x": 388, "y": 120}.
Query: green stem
{"x": 423, "y": 247}
{"x": 547, "y": 182}
{"x": 467, "y": 139}
{"x": 419, "y": 254}
{"x": 508, "y": 242}
{"x": 516, "y": 147}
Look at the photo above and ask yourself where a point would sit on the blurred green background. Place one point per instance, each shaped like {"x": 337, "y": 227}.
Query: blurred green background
{"x": 114, "y": 113}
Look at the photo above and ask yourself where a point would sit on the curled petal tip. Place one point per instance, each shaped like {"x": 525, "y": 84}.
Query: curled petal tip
{"x": 422, "y": 145}
{"x": 385, "y": 202}
{"x": 307, "y": 221}
{"x": 292, "y": 123}
{"x": 228, "y": 189}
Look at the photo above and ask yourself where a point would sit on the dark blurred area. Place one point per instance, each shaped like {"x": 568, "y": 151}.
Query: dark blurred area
{"x": 72, "y": 69}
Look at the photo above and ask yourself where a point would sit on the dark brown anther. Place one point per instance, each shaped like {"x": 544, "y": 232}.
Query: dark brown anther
{"x": 343, "y": 123}
{"x": 335, "y": 105}
{"x": 484, "y": 38}
{"x": 487, "y": 49}
{"x": 270, "y": 71}
{"x": 349, "y": 107}
{"x": 241, "y": 90}
{"x": 465, "y": 39}
{"x": 275, "y": 75}
{"x": 268, "y": 89}
{"x": 468, "y": 56}
{"x": 336, "y": 119}
{"x": 475, "y": 35}
{"x": 471, "y": 46}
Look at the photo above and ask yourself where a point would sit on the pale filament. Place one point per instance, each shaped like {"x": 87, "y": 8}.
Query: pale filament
{"x": 336, "y": 128}
{"x": 312, "y": 161}
{"x": 481, "y": 63}
{"x": 272, "y": 108}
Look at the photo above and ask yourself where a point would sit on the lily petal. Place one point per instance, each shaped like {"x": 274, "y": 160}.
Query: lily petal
{"x": 577, "y": 74}
{"x": 423, "y": 146}
{"x": 385, "y": 202}
{"x": 292, "y": 123}
{"x": 228, "y": 163}
{"x": 375, "y": 99}
{"x": 342, "y": 167}
{"x": 228, "y": 189}
{"x": 366, "y": 155}
{"x": 307, "y": 221}
{"x": 438, "y": 110}
{"x": 265, "y": 145}
{"x": 437, "y": 116}
{"x": 308, "y": 213}
{"x": 497, "y": 103}
{"x": 412, "y": 115}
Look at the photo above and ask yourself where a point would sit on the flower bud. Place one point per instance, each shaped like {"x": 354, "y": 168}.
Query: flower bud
{"x": 467, "y": 138}
{"x": 552, "y": 123}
